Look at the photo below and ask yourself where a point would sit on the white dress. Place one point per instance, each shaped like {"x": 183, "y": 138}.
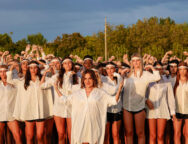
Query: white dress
{"x": 30, "y": 103}
{"x": 89, "y": 115}
{"x": 135, "y": 90}
{"x": 59, "y": 109}
{"x": 181, "y": 98}
{"x": 162, "y": 97}
{"x": 7, "y": 102}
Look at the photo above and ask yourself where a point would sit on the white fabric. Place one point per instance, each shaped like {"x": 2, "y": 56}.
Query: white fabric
{"x": 59, "y": 109}
{"x": 7, "y": 102}
{"x": 135, "y": 90}
{"x": 172, "y": 80}
{"x": 111, "y": 88}
{"x": 181, "y": 98}
{"x": 162, "y": 96}
{"x": 89, "y": 115}
{"x": 3, "y": 69}
{"x": 29, "y": 103}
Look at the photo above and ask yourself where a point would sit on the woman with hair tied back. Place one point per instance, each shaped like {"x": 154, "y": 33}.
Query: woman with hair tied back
{"x": 67, "y": 81}
{"x": 134, "y": 98}
{"x": 7, "y": 103}
{"x": 181, "y": 99}
{"x": 30, "y": 106}
{"x": 161, "y": 108}
{"x": 89, "y": 108}
{"x": 114, "y": 113}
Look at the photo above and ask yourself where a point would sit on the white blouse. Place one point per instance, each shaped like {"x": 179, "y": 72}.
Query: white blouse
{"x": 89, "y": 115}
{"x": 106, "y": 80}
{"x": 181, "y": 98}
{"x": 162, "y": 96}
{"x": 60, "y": 109}
{"x": 7, "y": 102}
{"x": 135, "y": 90}
{"x": 30, "y": 104}
{"x": 172, "y": 80}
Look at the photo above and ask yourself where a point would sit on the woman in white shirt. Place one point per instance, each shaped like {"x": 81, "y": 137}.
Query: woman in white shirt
{"x": 134, "y": 98}
{"x": 114, "y": 113}
{"x": 7, "y": 103}
{"x": 30, "y": 106}
{"x": 62, "y": 113}
{"x": 161, "y": 108}
{"x": 89, "y": 107}
{"x": 181, "y": 98}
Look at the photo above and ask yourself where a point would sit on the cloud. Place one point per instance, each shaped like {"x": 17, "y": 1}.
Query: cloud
{"x": 53, "y": 18}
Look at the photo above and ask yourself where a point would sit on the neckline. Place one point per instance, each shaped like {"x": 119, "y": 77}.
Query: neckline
{"x": 89, "y": 93}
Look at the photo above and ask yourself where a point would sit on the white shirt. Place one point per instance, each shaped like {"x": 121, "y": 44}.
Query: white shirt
{"x": 181, "y": 98}
{"x": 7, "y": 101}
{"x": 172, "y": 80}
{"x": 115, "y": 108}
{"x": 135, "y": 90}
{"x": 59, "y": 109}
{"x": 162, "y": 96}
{"x": 30, "y": 103}
{"x": 89, "y": 115}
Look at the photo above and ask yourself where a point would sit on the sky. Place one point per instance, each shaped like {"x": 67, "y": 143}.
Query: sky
{"x": 52, "y": 18}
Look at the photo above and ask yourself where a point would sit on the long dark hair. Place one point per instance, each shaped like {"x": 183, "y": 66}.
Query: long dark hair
{"x": 28, "y": 75}
{"x": 62, "y": 72}
{"x": 178, "y": 77}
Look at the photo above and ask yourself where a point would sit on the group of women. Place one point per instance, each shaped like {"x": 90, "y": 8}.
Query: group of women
{"x": 90, "y": 103}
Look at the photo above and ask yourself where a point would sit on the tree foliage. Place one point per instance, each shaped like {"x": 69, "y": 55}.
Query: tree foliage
{"x": 154, "y": 36}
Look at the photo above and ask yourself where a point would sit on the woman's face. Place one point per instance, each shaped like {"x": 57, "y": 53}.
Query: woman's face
{"x": 173, "y": 69}
{"x": 136, "y": 63}
{"x": 33, "y": 70}
{"x": 88, "y": 64}
{"x": 183, "y": 72}
{"x": 67, "y": 65}
{"x": 88, "y": 81}
{"x": 159, "y": 68}
{"x": 3, "y": 74}
{"x": 24, "y": 66}
{"x": 57, "y": 65}
{"x": 110, "y": 70}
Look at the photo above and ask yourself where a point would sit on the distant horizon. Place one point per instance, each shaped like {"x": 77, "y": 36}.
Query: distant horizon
{"x": 54, "y": 18}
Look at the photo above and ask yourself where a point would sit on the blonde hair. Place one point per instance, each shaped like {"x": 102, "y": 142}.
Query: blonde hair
{"x": 141, "y": 65}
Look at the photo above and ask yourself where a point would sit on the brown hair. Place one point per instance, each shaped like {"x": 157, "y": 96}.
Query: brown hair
{"x": 93, "y": 77}
{"x": 178, "y": 77}
{"x": 62, "y": 72}
{"x": 4, "y": 66}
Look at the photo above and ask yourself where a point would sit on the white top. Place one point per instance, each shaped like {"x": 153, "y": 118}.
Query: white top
{"x": 115, "y": 108}
{"x": 181, "y": 98}
{"x": 135, "y": 90}
{"x": 89, "y": 115}
{"x": 172, "y": 80}
{"x": 162, "y": 96}
{"x": 7, "y": 101}
{"x": 30, "y": 104}
{"x": 60, "y": 109}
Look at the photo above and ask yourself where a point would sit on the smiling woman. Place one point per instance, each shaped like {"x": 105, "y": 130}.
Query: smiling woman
{"x": 89, "y": 107}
